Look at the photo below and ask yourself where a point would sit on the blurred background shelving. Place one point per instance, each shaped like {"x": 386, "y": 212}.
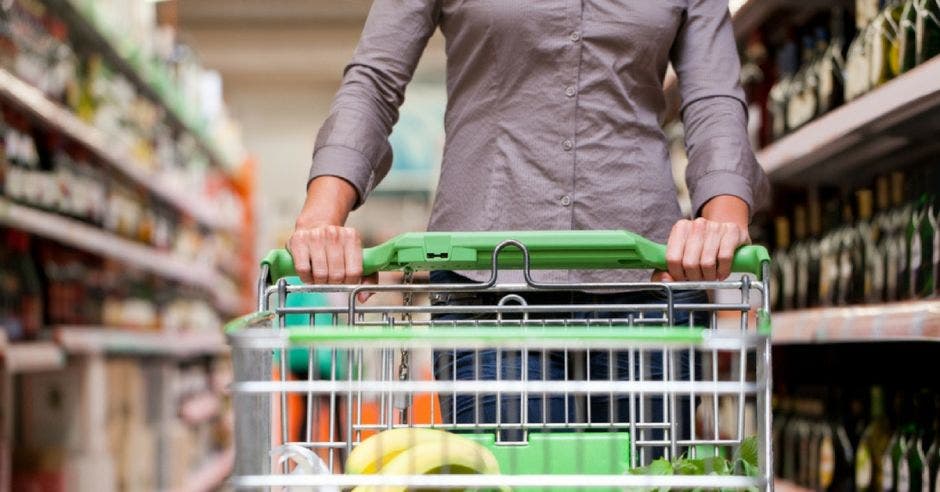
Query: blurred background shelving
{"x": 126, "y": 212}
{"x": 133, "y": 208}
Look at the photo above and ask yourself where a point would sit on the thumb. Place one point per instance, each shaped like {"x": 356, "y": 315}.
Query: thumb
{"x": 373, "y": 279}
{"x": 661, "y": 276}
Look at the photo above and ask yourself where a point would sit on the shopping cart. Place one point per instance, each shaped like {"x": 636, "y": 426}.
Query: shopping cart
{"x": 307, "y": 393}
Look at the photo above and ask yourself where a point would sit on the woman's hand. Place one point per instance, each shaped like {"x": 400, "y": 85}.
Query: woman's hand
{"x": 702, "y": 249}
{"x": 324, "y": 251}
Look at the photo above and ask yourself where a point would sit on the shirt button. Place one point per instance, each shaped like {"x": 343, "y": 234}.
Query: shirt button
{"x": 570, "y": 91}
{"x": 565, "y": 201}
{"x": 567, "y": 145}
{"x": 575, "y": 36}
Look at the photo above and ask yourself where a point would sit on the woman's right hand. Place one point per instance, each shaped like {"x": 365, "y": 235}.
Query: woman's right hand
{"x": 329, "y": 254}
{"x": 323, "y": 251}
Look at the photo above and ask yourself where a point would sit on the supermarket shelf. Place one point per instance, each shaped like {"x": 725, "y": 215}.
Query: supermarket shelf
{"x": 212, "y": 474}
{"x": 92, "y": 239}
{"x": 34, "y": 101}
{"x": 902, "y": 321}
{"x": 900, "y": 114}
{"x": 104, "y": 340}
{"x": 20, "y": 357}
{"x": 781, "y": 485}
{"x": 200, "y": 408}
{"x": 80, "y": 27}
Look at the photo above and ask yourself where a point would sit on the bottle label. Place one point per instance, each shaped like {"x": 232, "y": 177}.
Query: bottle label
{"x": 887, "y": 471}
{"x": 904, "y": 475}
{"x": 916, "y": 260}
{"x": 863, "y": 468}
{"x": 827, "y": 462}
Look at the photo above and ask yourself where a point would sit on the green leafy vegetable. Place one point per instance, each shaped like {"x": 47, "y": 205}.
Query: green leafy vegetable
{"x": 744, "y": 462}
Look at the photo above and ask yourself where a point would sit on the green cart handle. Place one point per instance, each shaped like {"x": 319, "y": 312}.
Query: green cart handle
{"x": 574, "y": 250}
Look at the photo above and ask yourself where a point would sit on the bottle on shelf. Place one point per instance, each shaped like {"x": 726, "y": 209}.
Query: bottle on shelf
{"x": 897, "y": 445}
{"x": 883, "y": 40}
{"x": 858, "y": 59}
{"x": 933, "y": 453}
{"x": 904, "y": 49}
{"x": 800, "y": 256}
{"x": 886, "y": 226}
{"x": 836, "y": 457}
{"x": 21, "y": 302}
{"x": 802, "y": 103}
{"x": 783, "y": 286}
{"x": 924, "y": 278}
{"x": 829, "y": 249}
{"x": 847, "y": 256}
{"x": 870, "y": 264}
{"x": 830, "y": 71}
{"x": 928, "y": 30}
{"x": 779, "y": 97}
{"x": 872, "y": 446}
{"x": 904, "y": 212}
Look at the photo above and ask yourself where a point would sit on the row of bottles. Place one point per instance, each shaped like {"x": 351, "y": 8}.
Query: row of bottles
{"x": 875, "y": 244}
{"x": 37, "y": 46}
{"x": 45, "y": 171}
{"x": 45, "y": 284}
{"x": 795, "y": 73}
{"x": 833, "y": 444}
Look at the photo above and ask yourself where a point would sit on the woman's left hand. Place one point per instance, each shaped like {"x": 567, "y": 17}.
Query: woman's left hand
{"x": 701, "y": 249}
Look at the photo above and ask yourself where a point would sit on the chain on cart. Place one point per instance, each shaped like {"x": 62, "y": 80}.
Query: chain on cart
{"x": 505, "y": 384}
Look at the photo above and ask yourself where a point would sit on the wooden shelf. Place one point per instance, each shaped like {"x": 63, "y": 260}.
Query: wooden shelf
{"x": 81, "y": 28}
{"x": 119, "y": 158}
{"x": 212, "y": 474}
{"x": 781, "y": 485}
{"x": 98, "y": 241}
{"x": 901, "y": 114}
{"x": 115, "y": 341}
{"x": 903, "y": 321}
{"x": 22, "y": 357}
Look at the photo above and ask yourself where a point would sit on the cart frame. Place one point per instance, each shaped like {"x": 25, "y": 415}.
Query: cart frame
{"x": 261, "y": 343}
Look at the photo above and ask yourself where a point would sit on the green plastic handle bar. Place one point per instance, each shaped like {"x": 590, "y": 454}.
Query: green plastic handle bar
{"x": 575, "y": 250}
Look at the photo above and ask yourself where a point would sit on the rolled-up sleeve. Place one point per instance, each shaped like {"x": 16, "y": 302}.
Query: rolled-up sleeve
{"x": 353, "y": 142}
{"x": 721, "y": 161}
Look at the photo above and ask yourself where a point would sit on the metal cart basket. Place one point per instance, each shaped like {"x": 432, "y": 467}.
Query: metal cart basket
{"x": 519, "y": 370}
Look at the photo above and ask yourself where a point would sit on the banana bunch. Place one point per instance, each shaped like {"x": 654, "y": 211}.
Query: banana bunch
{"x": 418, "y": 451}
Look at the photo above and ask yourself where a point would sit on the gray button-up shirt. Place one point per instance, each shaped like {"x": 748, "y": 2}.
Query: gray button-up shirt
{"x": 554, "y": 112}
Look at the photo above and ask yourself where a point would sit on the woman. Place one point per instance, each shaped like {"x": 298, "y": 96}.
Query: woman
{"x": 553, "y": 122}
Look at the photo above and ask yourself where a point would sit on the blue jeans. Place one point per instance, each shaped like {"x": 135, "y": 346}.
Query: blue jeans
{"x": 553, "y": 365}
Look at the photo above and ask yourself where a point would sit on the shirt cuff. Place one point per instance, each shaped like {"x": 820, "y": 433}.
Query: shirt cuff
{"x": 346, "y": 163}
{"x": 717, "y": 183}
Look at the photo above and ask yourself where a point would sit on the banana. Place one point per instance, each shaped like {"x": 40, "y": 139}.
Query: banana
{"x": 373, "y": 453}
{"x": 453, "y": 453}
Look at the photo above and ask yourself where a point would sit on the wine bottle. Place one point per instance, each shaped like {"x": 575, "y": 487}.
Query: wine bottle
{"x": 933, "y": 454}
{"x": 831, "y": 69}
{"x": 829, "y": 250}
{"x": 836, "y": 457}
{"x": 783, "y": 286}
{"x": 897, "y": 445}
{"x": 903, "y": 215}
{"x": 928, "y": 30}
{"x": 802, "y": 104}
{"x": 800, "y": 257}
{"x": 883, "y": 40}
{"x": 858, "y": 59}
{"x": 874, "y": 442}
{"x": 787, "y": 61}
{"x": 904, "y": 49}
{"x": 870, "y": 264}
{"x": 848, "y": 246}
